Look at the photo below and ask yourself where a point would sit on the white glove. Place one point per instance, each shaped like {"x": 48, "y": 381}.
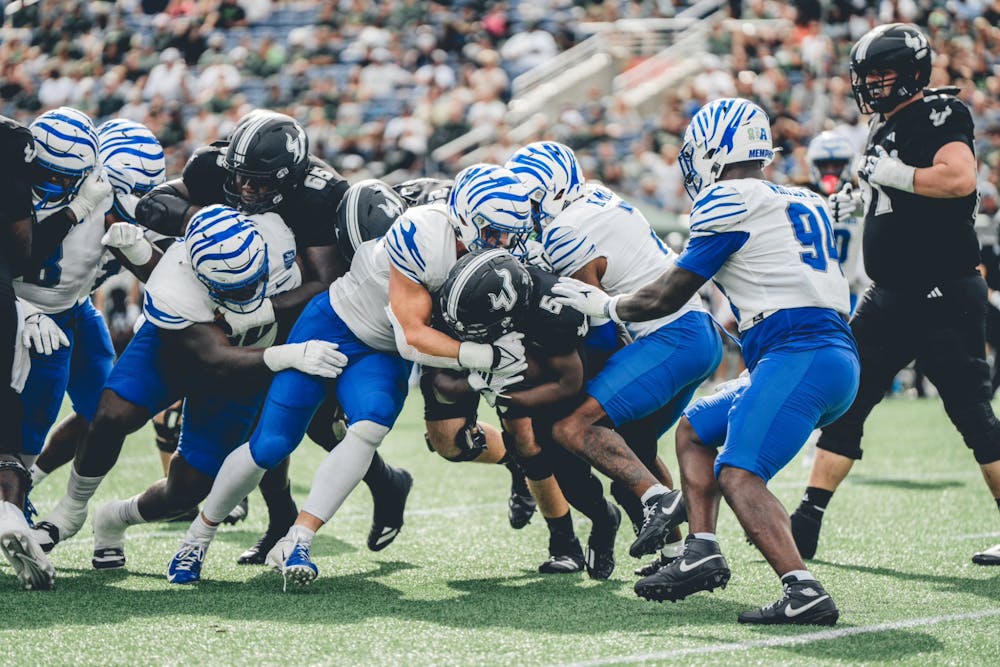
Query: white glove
{"x": 93, "y": 191}
{"x": 587, "y": 299}
{"x": 504, "y": 357}
{"x": 42, "y": 334}
{"x": 314, "y": 357}
{"x": 881, "y": 169}
{"x": 844, "y": 204}
{"x": 130, "y": 240}
{"x": 535, "y": 256}
{"x": 491, "y": 386}
{"x": 240, "y": 323}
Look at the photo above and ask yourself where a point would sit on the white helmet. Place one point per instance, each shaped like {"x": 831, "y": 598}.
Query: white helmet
{"x": 490, "y": 207}
{"x": 132, "y": 157}
{"x": 553, "y": 177}
{"x": 229, "y": 256}
{"x": 723, "y": 132}
{"x": 829, "y": 156}
{"x": 66, "y": 148}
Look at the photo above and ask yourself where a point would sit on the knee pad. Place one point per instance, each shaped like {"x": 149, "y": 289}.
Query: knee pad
{"x": 167, "y": 425}
{"x": 980, "y": 430}
{"x": 470, "y": 440}
{"x": 843, "y": 439}
{"x": 368, "y": 432}
{"x": 535, "y": 468}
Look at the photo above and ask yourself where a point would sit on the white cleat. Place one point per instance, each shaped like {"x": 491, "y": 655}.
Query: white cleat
{"x": 278, "y": 554}
{"x": 62, "y": 523}
{"x": 109, "y": 538}
{"x": 31, "y": 565}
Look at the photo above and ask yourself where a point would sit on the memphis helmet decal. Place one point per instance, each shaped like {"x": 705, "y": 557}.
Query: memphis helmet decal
{"x": 65, "y": 144}
{"x": 131, "y": 155}
{"x": 488, "y": 196}
{"x": 552, "y": 174}
{"x": 229, "y": 256}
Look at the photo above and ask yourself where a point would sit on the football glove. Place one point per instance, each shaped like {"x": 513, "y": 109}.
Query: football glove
{"x": 587, "y": 299}
{"x": 491, "y": 386}
{"x": 504, "y": 357}
{"x": 314, "y": 357}
{"x": 42, "y": 334}
{"x": 240, "y": 323}
{"x": 886, "y": 171}
{"x": 844, "y": 204}
{"x": 93, "y": 191}
{"x": 128, "y": 239}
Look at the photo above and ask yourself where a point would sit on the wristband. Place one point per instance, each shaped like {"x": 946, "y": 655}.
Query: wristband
{"x": 611, "y": 309}
{"x": 478, "y": 356}
{"x": 138, "y": 254}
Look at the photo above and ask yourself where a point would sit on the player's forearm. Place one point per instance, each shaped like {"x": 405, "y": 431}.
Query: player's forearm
{"x": 143, "y": 271}
{"x": 944, "y": 181}
{"x": 291, "y": 303}
{"x": 165, "y": 209}
{"x": 16, "y": 238}
{"x": 568, "y": 369}
{"x": 431, "y": 342}
{"x": 219, "y": 365}
{"x": 665, "y": 295}
{"x": 47, "y": 235}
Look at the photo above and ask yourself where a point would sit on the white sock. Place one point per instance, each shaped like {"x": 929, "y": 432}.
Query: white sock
{"x": 301, "y": 534}
{"x": 798, "y": 575}
{"x": 81, "y": 489}
{"x": 654, "y": 490}
{"x": 128, "y": 511}
{"x": 37, "y": 474}
{"x": 673, "y": 550}
{"x": 342, "y": 469}
{"x": 705, "y": 536}
{"x": 199, "y": 531}
{"x": 238, "y": 476}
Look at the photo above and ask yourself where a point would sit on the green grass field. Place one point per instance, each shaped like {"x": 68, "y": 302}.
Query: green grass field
{"x": 459, "y": 587}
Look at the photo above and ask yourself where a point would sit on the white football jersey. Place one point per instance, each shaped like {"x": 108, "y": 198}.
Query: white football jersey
{"x": 360, "y": 297}
{"x": 69, "y": 274}
{"x": 176, "y": 299}
{"x": 789, "y": 257}
{"x": 847, "y": 235}
{"x": 421, "y": 244}
{"x": 601, "y": 224}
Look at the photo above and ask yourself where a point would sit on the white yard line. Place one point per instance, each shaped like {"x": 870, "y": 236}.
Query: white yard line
{"x": 777, "y": 642}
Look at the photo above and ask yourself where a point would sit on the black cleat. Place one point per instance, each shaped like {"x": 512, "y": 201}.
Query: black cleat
{"x": 521, "y": 504}
{"x": 663, "y": 513}
{"x": 989, "y": 557}
{"x": 804, "y": 603}
{"x": 565, "y": 555}
{"x": 387, "y": 519}
{"x": 601, "y": 545}
{"x": 806, "y": 523}
{"x": 654, "y": 566}
{"x": 239, "y": 513}
{"x": 47, "y": 535}
{"x": 257, "y": 554}
{"x": 111, "y": 558}
{"x": 700, "y": 568}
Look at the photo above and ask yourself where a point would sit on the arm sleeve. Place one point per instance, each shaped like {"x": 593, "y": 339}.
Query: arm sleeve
{"x": 568, "y": 249}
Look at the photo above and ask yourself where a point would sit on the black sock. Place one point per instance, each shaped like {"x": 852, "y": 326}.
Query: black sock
{"x": 998, "y": 503}
{"x": 561, "y": 525}
{"x": 815, "y": 501}
{"x": 379, "y": 474}
{"x": 277, "y": 493}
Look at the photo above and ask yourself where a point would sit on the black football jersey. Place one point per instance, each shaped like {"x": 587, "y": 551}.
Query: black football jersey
{"x": 912, "y": 241}
{"x": 310, "y": 212}
{"x": 550, "y": 328}
{"x": 17, "y": 152}
{"x": 420, "y": 191}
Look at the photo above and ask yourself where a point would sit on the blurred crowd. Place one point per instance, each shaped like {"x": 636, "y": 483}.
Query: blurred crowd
{"x": 379, "y": 85}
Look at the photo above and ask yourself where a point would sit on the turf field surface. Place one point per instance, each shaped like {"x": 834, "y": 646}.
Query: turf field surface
{"x": 460, "y": 587}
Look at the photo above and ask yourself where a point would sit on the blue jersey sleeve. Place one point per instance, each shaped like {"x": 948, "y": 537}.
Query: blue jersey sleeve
{"x": 706, "y": 254}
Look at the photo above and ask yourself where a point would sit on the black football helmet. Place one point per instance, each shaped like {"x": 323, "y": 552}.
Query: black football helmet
{"x": 366, "y": 212}
{"x": 420, "y": 191}
{"x": 484, "y": 295}
{"x": 267, "y": 159}
{"x": 901, "y": 53}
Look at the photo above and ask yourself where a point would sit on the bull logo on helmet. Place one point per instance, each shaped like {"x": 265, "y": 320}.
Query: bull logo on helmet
{"x": 507, "y": 298}
{"x": 296, "y": 145}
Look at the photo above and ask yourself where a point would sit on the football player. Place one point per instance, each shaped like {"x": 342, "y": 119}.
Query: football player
{"x": 471, "y": 307}
{"x": 133, "y": 163}
{"x": 830, "y": 157}
{"x": 771, "y": 249}
{"x": 591, "y": 234}
{"x": 227, "y": 261}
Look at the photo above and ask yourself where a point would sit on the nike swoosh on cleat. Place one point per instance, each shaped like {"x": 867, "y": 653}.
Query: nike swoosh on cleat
{"x": 792, "y": 612}
{"x": 687, "y": 567}
{"x": 673, "y": 506}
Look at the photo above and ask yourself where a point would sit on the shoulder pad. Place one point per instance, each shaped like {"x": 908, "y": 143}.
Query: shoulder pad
{"x": 717, "y": 207}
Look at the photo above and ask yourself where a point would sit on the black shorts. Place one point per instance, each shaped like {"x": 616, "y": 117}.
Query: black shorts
{"x": 438, "y": 408}
{"x": 942, "y": 328}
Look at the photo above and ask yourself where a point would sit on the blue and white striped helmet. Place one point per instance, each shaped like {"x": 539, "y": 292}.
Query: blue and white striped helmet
{"x": 490, "y": 207}
{"x": 229, "y": 256}
{"x": 66, "y": 148}
{"x": 723, "y": 132}
{"x": 829, "y": 156}
{"x": 553, "y": 177}
{"x": 131, "y": 155}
